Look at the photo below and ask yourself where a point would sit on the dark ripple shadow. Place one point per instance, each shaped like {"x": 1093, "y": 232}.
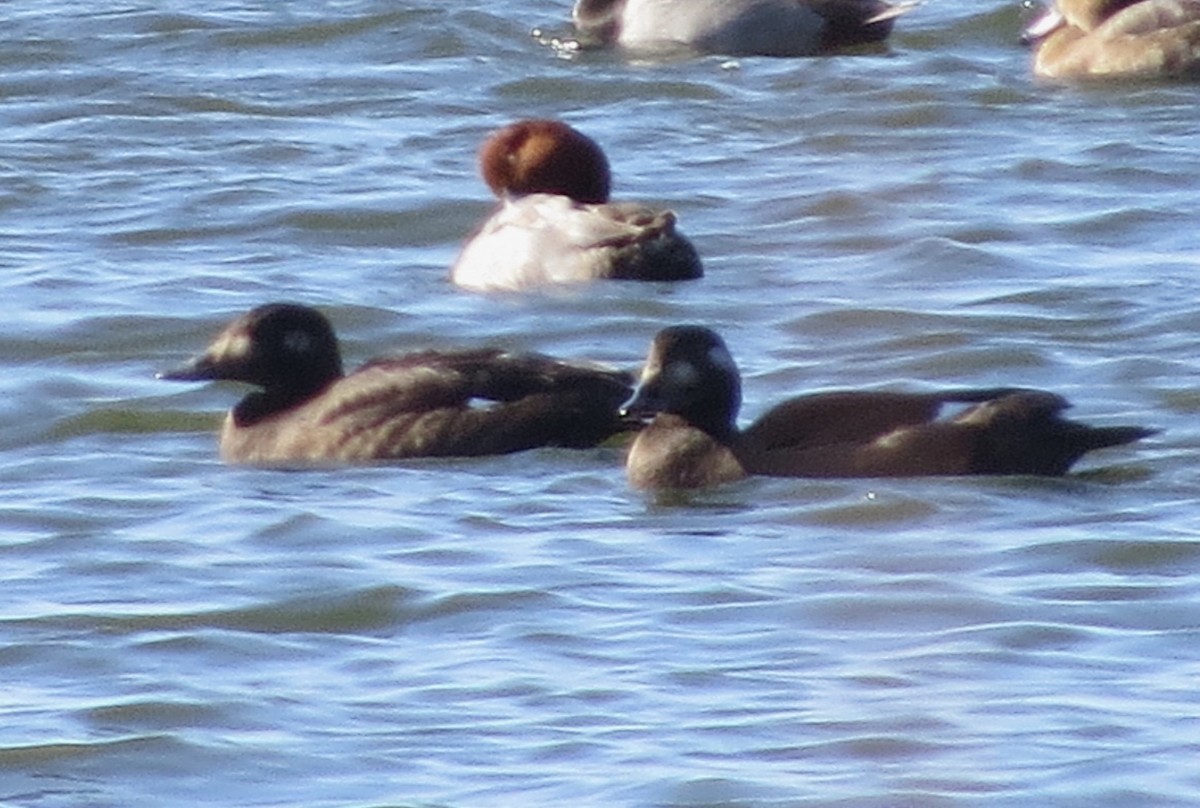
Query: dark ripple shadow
{"x": 366, "y": 611}
{"x": 1150, "y": 557}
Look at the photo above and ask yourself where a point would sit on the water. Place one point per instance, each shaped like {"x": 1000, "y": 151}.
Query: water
{"x": 527, "y": 630}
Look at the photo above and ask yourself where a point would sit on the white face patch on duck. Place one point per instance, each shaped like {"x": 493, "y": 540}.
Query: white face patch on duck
{"x": 297, "y": 342}
{"x": 680, "y": 375}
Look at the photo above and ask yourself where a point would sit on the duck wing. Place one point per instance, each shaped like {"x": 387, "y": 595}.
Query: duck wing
{"x": 468, "y": 403}
{"x": 842, "y": 417}
{"x": 1151, "y": 16}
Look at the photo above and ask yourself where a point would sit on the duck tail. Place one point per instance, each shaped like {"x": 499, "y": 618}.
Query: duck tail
{"x": 1026, "y": 434}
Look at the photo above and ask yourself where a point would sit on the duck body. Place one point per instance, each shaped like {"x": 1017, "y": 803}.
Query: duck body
{"x": 554, "y": 222}
{"x": 737, "y": 27}
{"x": 424, "y": 404}
{"x": 691, "y": 390}
{"x": 542, "y": 239}
{"x": 1078, "y": 39}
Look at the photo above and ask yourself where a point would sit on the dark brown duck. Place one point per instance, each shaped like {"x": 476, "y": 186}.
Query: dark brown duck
{"x": 691, "y": 387}
{"x": 425, "y": 404}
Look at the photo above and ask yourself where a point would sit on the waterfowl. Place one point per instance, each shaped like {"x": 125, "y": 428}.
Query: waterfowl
{"x": 737, "y": 27}
{"x": 691, "y": 388}
{"x": 1116, "y": 38}
{"x": 425, "y": 404}
{"x": 555, "y": 223}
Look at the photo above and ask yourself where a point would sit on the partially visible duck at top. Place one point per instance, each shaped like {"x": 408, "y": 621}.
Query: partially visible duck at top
{"x": 424, "y": 404}
{"x": 1140, "y": 39}
{"x": 691, "y": 388}
{"x": 737, "y": 27}
{"x": 555, "y": 223}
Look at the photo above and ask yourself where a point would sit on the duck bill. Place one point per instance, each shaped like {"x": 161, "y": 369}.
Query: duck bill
{"x": 1047, "y": 23}
{"x": 227, "y": 358}
{"x": 199, "y": 369}
{"x": 208, "y": 367}
{"x": 644, "y": 403}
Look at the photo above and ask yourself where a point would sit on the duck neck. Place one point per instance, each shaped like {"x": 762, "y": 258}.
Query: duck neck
{"x": 717, "y": 423}
{"x": 264, "y": 403}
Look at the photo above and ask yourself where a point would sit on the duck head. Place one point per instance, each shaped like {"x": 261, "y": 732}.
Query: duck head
{"x": 280, "y": 347}
{"x": 541, "y": 156}
{"x": 689, "y": 373}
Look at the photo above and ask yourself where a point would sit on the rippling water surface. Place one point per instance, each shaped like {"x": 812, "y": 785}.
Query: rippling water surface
{"x": 527, "y": 630}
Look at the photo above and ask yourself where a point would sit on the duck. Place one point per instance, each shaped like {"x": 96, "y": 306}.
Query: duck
{"x": 435, "y": 403}
{"x": 690, "y": 391}
{"x": 554, "y": 223}
{"x": 1141, "y": 39}
{"x": 737, "y": 27}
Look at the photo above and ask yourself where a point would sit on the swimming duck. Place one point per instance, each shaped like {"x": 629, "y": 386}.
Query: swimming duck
{"x": 691, "y": 387}
{"x": 425, "y": 404}
{"x": 1117, "y": 38}
{"x": 737, "y": 27}
{"x": 554, "y": 223}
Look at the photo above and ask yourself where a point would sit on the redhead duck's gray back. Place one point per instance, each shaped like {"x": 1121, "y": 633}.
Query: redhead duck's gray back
{"x": 426, "y": 404}
{"x": 738, "y": 27}
{"x": 1078, "y": 39}
{"x": 690, "y": 387}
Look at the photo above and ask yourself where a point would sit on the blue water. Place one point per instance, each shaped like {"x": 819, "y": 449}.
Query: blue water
{"x": 527, "y": 630}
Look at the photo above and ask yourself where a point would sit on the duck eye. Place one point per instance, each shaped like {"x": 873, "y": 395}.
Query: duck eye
{"x": 298, "y": 342}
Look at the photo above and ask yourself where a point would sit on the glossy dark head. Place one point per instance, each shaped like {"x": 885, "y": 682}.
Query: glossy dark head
{"x": 690, "y": 373}
{"x": 280, "y": 347}
{"x": 545, "y": 157}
